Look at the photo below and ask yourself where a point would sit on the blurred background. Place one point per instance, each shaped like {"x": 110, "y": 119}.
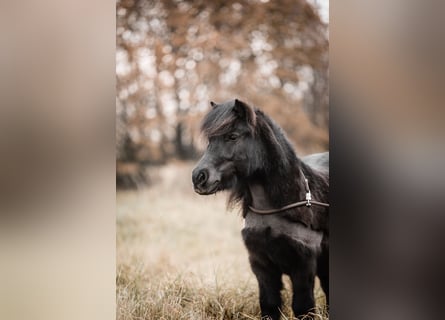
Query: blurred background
{"x": 58, "y": 175}
{"x": 173, "y": 57}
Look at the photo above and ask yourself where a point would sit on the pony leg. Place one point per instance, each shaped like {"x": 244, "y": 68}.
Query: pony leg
{"x": 270, "y": 285}
{"x": 323, "y": 275}
{"x": 303, "y": 291}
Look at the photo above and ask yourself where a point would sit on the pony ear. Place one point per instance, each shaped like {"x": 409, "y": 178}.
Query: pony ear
{"x": 213, "y": 104}
{"x": 244, "y": 111}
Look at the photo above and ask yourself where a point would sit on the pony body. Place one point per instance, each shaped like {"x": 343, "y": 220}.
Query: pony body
{"x": 250, "y": 156}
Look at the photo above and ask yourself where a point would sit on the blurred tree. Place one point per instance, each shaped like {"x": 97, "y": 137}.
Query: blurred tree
{"x": 173, "y": 57}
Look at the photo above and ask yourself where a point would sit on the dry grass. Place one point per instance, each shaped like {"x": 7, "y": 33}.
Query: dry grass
{"x": 180, "y": 255}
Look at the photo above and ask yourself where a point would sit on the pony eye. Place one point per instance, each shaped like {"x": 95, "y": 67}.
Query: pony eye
{"x": 233, "y": 136}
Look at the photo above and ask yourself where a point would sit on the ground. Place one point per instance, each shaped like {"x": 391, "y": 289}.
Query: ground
{"x": 181, "y": 256}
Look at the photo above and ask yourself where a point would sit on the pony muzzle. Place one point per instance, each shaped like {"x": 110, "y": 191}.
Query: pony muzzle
{"x": 205, "y": 181}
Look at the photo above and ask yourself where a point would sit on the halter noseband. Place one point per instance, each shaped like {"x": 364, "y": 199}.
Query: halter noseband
{"x": 308, "y": 202}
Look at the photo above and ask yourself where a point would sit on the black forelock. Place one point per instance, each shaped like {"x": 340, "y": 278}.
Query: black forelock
{"x": 219, "y": 120}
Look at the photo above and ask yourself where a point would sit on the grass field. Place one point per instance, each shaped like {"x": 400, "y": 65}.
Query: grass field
{"x": 181, "y": 256}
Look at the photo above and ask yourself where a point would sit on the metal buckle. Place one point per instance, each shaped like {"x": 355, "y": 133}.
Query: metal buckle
{"x": 308, "y": 199}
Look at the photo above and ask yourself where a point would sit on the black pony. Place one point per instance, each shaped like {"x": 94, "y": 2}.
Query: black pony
{"x": 249, "y": 155}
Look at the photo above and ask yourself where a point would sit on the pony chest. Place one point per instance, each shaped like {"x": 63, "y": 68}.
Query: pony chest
{"x": 261, "y": 225}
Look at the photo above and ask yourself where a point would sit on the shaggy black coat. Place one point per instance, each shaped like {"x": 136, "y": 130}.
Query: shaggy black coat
{"x": 271, "y": 162}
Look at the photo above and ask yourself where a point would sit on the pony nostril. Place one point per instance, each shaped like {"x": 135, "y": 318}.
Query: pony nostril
{"x": 202, "y": 177}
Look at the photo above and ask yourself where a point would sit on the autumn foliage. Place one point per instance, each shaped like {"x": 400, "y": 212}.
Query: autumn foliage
{"x": 173, "y": 57}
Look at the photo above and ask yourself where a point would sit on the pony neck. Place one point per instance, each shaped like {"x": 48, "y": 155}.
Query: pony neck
{"x": 280, "y": 181}
{"x": 259, "y": 197}
{"x": 277, "y": 187}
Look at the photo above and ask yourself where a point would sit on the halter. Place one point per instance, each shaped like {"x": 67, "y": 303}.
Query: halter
{"x": 308, "y": 202}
